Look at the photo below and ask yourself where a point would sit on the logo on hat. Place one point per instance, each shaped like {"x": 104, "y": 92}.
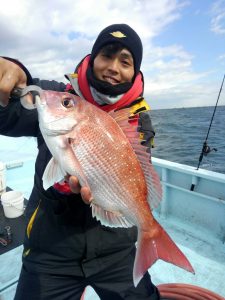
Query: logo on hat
{"x": 118, "y": 34}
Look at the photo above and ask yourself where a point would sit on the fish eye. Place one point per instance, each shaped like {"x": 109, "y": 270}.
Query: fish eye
{"x": 67, "y": 102}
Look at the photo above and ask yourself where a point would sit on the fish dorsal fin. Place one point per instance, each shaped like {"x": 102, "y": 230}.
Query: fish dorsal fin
{"x": 53, "y": 173}
{"x": 109, "y": 218}
{"x": 151, "y": 176}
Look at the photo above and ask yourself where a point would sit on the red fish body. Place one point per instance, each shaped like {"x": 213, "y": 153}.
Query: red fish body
{"x": 103, "y": 150}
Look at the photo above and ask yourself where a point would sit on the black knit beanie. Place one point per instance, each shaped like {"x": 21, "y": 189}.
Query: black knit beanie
{"x": 123, "y": 34}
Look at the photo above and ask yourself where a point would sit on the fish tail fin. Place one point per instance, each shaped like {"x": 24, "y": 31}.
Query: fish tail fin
{"x": 152, "y": 247}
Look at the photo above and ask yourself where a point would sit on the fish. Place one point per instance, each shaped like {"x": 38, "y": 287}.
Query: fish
{"x": 105, "y": 152}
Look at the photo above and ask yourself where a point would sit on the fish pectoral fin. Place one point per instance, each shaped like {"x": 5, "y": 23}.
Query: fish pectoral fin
{"x": 109, "y": 218}
{"x": 53, "y": 173}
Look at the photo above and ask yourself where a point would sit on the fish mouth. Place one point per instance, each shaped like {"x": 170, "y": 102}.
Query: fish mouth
{"x": 40, "y": 104}
{"x": 54, "y": 127}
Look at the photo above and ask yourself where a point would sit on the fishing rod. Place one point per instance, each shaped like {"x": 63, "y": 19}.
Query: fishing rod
{"x": 205, "y": 148}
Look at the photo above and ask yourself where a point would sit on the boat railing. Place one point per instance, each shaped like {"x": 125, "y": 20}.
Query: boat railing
{"x": 192, "y": 197}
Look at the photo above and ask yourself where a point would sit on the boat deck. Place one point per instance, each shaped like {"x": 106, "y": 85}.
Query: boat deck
{"x": 207, "y": 256}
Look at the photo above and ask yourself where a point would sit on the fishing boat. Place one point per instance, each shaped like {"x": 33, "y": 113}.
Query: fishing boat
{"x": 192, "y": 211}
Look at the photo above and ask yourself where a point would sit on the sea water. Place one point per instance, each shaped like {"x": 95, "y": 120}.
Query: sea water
{"x": 180, "y": 134}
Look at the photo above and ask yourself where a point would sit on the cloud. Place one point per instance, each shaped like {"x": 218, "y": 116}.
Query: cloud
{"x": 51, "y": 38}
{"x": 218, "y": 17}
{"x": 187, "y": 95}
{"x": 222, "y": 57}
{"x": 170, "y": 80}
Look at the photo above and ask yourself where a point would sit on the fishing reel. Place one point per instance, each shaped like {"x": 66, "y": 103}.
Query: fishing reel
{"x": 206, "y": 149}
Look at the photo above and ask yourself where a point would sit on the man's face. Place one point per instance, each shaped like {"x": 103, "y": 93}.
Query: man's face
{"x": 114, "y": 68}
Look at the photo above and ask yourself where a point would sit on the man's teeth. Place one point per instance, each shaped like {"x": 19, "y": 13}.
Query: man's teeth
{"x": 111, "y": 80}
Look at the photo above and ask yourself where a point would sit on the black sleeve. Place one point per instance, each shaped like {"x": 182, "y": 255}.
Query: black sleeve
{"x": 15, "y": 120}
{"x": 145, "y": 126}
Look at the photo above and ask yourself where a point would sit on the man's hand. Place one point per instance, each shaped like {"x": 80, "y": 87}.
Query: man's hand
{"x": 11, "y": 76}
{"x": 76, "y": 188}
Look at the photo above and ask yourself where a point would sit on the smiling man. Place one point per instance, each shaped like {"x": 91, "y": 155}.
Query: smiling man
{"x": 114, "y": 64}
{"x": 65, "y": 248}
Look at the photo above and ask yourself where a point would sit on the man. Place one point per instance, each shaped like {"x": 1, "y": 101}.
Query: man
{"x": 65, "y": 249}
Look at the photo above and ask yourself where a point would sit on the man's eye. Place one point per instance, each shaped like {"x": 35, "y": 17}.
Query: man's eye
{"x": 67, "y": 102}
{"x": 106, "y": 55}
{"x": 126, "y": 62}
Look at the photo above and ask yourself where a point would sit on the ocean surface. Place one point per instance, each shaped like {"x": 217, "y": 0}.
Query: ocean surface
{"x": 180, "y": 134}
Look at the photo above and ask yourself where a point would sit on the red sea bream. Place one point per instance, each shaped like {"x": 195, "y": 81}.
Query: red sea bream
{"x": 103, "y": 150}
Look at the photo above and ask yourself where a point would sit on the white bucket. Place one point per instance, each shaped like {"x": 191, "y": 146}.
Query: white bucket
{"x": 2, "y": 178}
{"x": 13, "y": 204}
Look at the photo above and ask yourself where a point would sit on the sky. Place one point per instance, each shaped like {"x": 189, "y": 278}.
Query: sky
{"x": 184, "y": 42}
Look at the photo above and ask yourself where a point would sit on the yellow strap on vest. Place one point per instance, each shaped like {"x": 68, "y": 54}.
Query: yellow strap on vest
{"x": 74, "y": 75}
{"x": 31, "y": 222}
{"x": 139, "y": 107}
{"x": 26, "y": 252}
